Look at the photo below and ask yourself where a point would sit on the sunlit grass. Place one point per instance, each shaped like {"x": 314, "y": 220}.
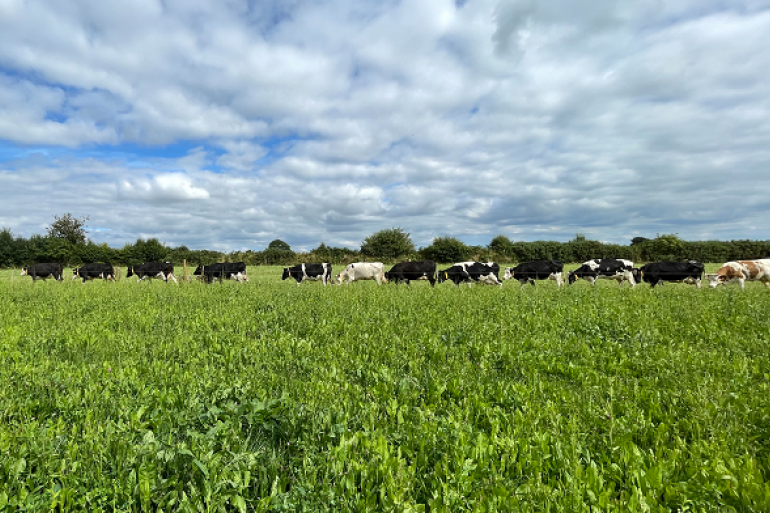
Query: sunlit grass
{"x": 272, "y": 397}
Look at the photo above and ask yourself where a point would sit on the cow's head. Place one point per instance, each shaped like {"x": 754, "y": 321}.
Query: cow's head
{"x": 24, "y": 271}
{"x": 572, "y": 277}
{"x": 636, "y": 273}
{"x": 285, "y": 273}
{"x": 508, "y": 274}
{"x": 388, "y": 276}
{"x": 443, "y": 276}
{"x": 715, "y": 280}
{"x": 198, "y": 270}
{"x": 76, "y": 273}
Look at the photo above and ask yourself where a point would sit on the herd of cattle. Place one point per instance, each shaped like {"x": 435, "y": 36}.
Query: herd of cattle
{"x": 463, "y": 272}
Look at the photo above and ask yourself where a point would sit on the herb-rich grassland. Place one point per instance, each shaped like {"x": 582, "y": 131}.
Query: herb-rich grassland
{"x": 272, "y": 397}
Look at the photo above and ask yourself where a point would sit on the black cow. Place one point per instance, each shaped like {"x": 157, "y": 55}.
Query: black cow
{"x": 528, "y": 272}
{"x": 470, "y": 272}
{"x": 93, "y": 271}
{"x": 232, "y": 270}
{"x": 44, "y": 271}
{"x": 606, "y": 269}
{"x": 150, "y": 270}
{"x": 312, "y": 272}
{"x": 687, "y": 272}
{"x": 408, "y": 271}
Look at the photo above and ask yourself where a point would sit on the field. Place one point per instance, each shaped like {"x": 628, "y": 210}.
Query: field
{"x": 272, "y": 397}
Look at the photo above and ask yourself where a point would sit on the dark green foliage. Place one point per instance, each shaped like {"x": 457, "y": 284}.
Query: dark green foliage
{"x": 447, "y": 250}
{"x": 68, "y": 227}
{"x": 387, "y": 244}
{"x": 279, "y": 245}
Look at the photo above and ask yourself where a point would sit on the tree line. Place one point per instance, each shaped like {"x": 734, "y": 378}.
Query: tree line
{"x": 66, "y": 241}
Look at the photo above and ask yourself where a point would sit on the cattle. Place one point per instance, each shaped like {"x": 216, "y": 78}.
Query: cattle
{"x": 94, "y": 271}
{"x": 470, "y": 272}
{"x": 605, "y": 269}
{"x": 686, "y": 272}
{"x": 740, "y": 272}
{"x": 408, "y": 271}
{"x": 363, "y": 271}
{"x": 226, "y": 270}
{"x": 313, "y": 272}
{"x": 150, "y": 270}
{"x": 528, "y": 272}
{"x": 44, "y": 271}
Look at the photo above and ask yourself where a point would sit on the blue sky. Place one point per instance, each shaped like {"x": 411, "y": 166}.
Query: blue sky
{"x": 225, "y": 125}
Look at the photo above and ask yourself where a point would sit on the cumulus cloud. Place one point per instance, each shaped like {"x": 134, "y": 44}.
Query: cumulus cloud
{"x": 228, "y": 124}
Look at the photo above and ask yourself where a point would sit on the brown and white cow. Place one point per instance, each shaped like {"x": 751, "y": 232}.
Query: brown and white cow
{"x": 741, "y": 271}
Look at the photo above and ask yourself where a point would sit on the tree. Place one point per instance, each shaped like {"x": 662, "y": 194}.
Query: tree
{"x": 387, "y": 244}
{"x": 68, "y": 227}
{"x": 502, "y": 245}
{"x": 279, "y": 245}
{"x": 447, "y": 250}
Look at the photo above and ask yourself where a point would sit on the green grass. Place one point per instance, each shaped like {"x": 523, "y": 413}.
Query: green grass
{"x": 272, "y": 397}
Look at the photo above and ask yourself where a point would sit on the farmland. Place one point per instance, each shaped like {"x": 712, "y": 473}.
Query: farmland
{"x": 272, "y": 397}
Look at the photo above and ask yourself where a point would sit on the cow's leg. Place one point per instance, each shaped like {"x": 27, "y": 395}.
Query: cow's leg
{"x": 171, "y": 275}
{"x": 741, "y": 282}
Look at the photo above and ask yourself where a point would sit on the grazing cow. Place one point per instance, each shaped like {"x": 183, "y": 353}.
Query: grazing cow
{"x": 470, "y": 272}
{"x": 408, "y": 271}
{"x": 231, "y": 270}
{"x": 685, "y": 272}
{"x": 93, "y": 271}
{"x": 528, "y": 272}
{"x": 605, "y": 269}
{"x": 363, "y": 271}
{"x": 741, "y": 271}
{"x": 150, "y": 270}
{"x": 44, "y": 271}
{"x": 312, "y": 272}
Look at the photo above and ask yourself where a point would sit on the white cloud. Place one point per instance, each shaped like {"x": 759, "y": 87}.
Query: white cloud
{"x": 230, "y": 123}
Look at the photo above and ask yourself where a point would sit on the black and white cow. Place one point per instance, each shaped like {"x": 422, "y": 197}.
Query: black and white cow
{"x": 44, "y": 271}
{"x": 605, "y": 269}
{"x": 150, "y": 270}
{"x": 470, "y": 272}
{"x": 408, "y": 271}
{"x": 313, "y": 272}
{"x": 94, "y": 271}
{"x": 528, "y": 272}
{"x": 226, "y": 270}
{"x": 686, "y": 272}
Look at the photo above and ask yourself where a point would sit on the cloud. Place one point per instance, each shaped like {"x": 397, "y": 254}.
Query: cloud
{"x": 162, "y": 189}
{"x": 229, "y": 124}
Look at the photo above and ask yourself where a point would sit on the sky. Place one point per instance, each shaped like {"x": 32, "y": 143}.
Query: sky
{"x": 227, "y": 124}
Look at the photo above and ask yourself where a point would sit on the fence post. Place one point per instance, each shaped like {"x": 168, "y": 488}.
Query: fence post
{"x": 184, "y": 270}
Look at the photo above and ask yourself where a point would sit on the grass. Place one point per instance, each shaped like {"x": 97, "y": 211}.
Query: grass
{"x": 272, "y": 397}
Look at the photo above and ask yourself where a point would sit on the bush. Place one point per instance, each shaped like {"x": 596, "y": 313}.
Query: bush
{"x": 387, "y": 244}
{"x": 446, "y": 250}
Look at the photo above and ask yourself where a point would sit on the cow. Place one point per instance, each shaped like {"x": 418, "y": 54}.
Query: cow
{"x": 741, "y": 271}
{"x": 230, "y": 270}
{"x": 470, "y": 272}
{"x": 605, "y": 269}
{"x": 44, "y": 271}
{"x": 686, "y": 272}
{"x": 363, "y": 271}
{"x": 93, "y": 271}
{"x": 150, "y": 270}
{"x": 528, "y": 272}
{"x": 312, "y": 272}
{"x": 408, "y": 271}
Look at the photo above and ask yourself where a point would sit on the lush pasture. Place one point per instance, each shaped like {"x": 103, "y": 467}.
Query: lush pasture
{"x": 273, "y": 397}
